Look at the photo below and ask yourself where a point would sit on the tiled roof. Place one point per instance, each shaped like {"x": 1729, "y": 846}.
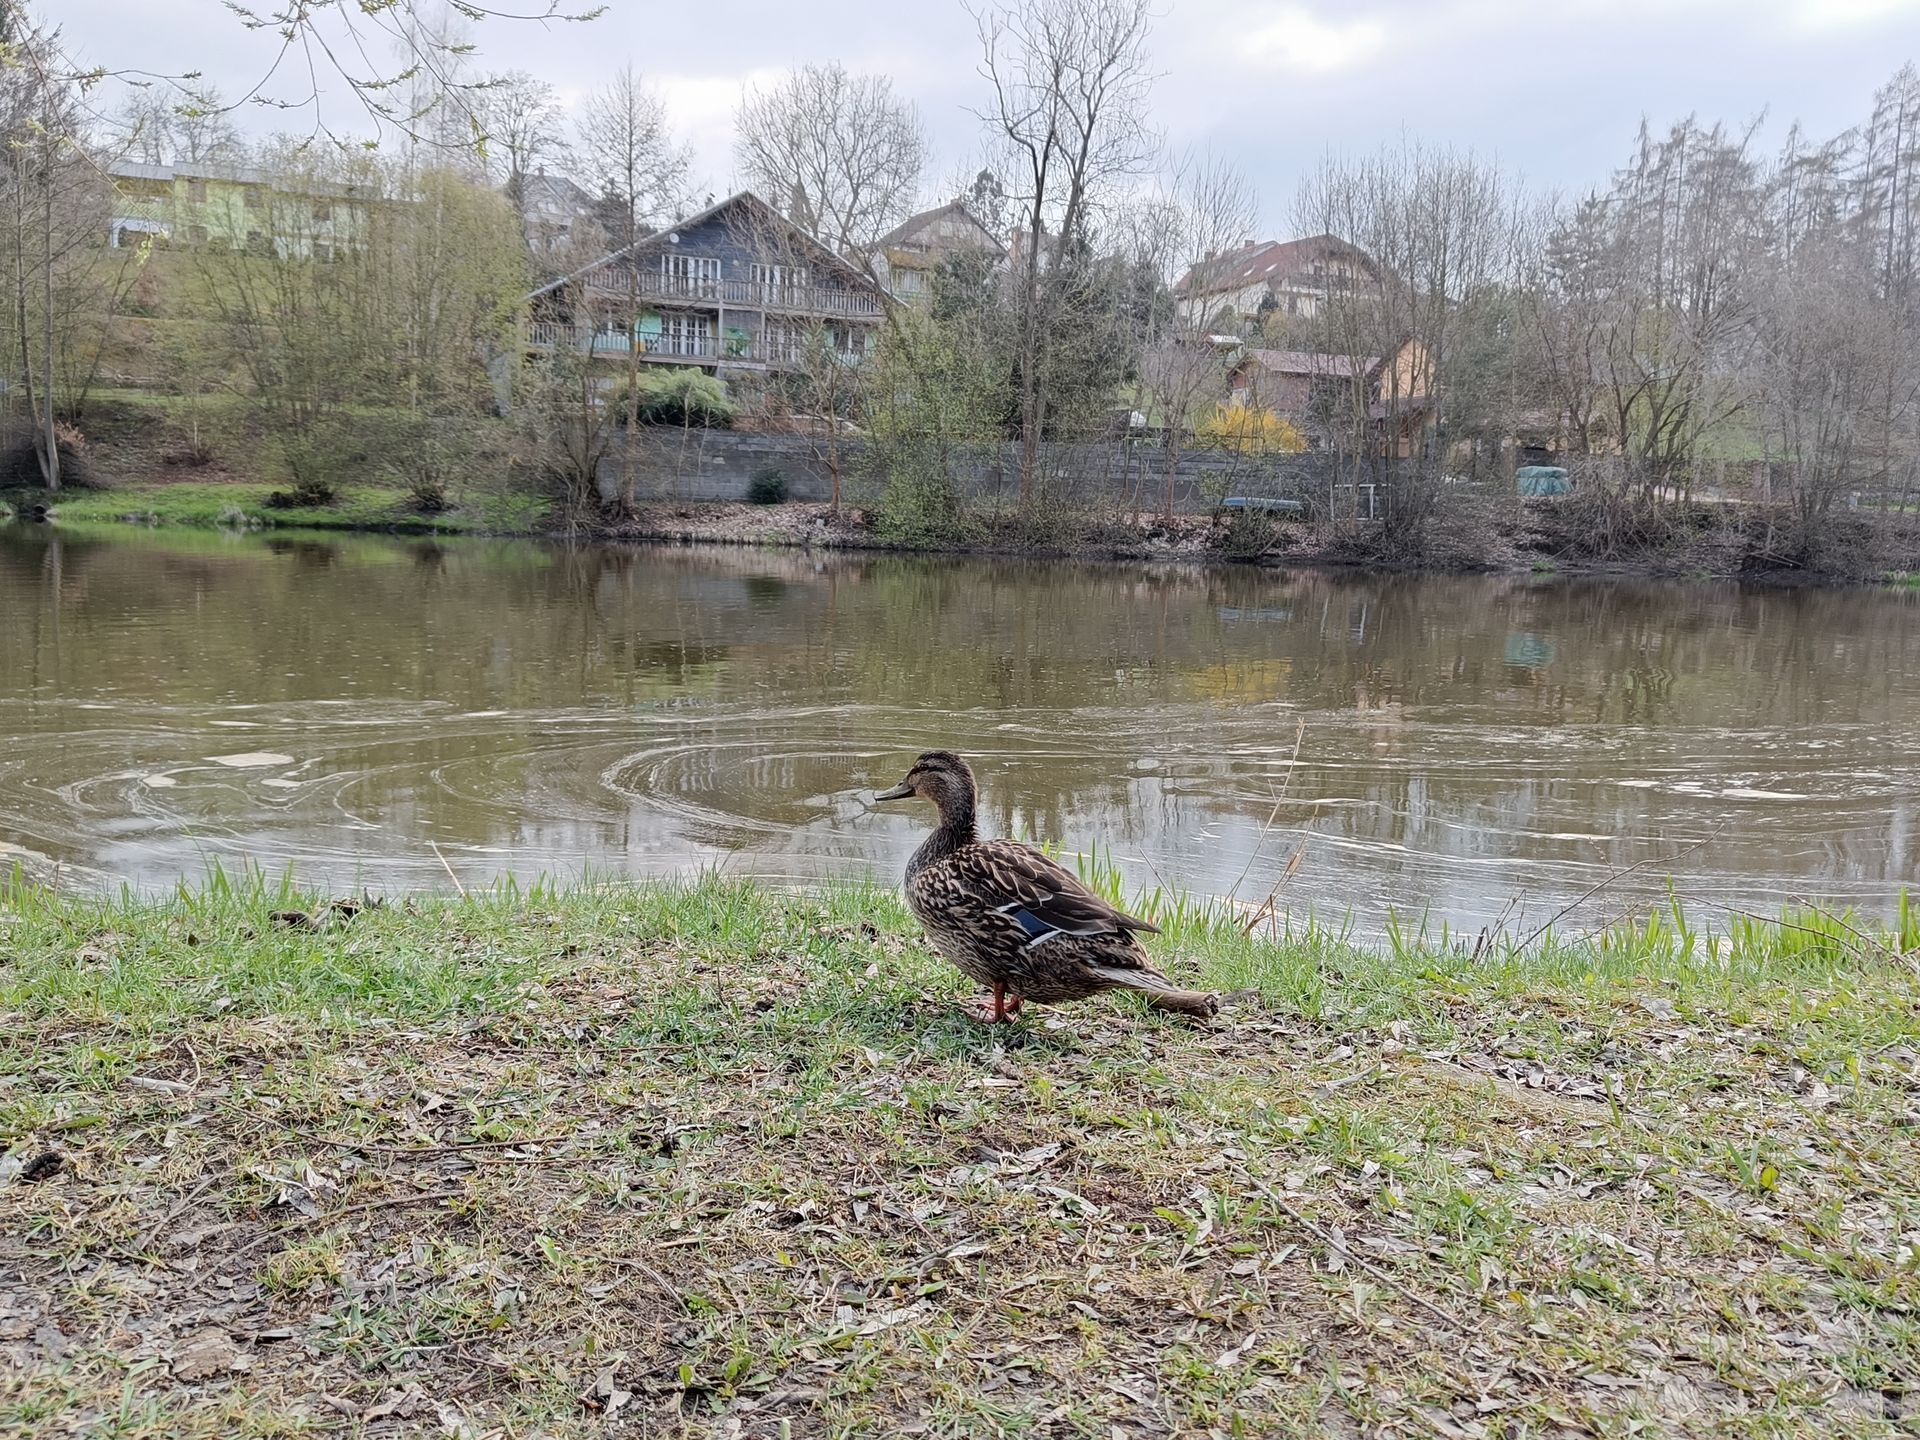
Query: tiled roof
{"x": 901, "y": 233}
{"x": 1307, "y": 362}
{"x": 1259, "y": 261}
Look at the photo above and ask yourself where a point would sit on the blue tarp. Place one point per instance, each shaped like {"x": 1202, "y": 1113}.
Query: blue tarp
{"x": 1262, "y": 502}
{"x": 1542, "y": 480}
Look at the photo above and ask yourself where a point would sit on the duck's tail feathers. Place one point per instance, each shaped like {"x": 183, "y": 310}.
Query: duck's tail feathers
{"x": 1161, "y": 992}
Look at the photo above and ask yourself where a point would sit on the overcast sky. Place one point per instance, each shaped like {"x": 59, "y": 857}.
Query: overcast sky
{"x": 1555, "y": 88}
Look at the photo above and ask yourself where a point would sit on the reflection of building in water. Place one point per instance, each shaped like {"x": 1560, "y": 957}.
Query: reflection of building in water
{"x": 1529, "y": 651}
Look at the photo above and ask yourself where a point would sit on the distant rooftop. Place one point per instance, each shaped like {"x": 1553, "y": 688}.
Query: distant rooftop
{"x": 232, "y": 174}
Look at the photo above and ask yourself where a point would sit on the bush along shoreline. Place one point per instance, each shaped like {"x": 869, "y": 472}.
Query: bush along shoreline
{"x": 729, "y": 1159}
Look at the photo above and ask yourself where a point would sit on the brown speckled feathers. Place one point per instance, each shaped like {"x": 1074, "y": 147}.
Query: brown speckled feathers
{"x": 1013, "y": 919}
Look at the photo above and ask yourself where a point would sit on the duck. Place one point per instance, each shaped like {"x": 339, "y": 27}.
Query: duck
{"x": 1014, "y": 920}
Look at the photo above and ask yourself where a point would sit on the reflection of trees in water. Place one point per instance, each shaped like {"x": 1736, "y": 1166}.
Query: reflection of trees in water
{"x": 1172, "y": 657}
{"x": 556, "y": 626}
{"x": 1154, "y": 710}
{"x": 307, "y": 554}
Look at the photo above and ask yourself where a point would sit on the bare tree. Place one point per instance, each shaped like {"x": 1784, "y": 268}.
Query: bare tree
{"x": 841, "y": 152}
{"x": 642, "y": 171}
{"x": 523, "y": 128}
{"x": 145, "y": 125}
{"x": 1205, "y": 207}
{"x": 203, "y": 131}
{"x": 190, "y": 125}
{"x": 1825, "y": 347}
{"x": 1439, "y": 230}
{"x": 64, "y": 286}
{"x": 1069, "y": 82}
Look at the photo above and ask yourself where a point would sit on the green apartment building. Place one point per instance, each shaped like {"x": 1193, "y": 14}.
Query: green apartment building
{"x": 236, "y": 207}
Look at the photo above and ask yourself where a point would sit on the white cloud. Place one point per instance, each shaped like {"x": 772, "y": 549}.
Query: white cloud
{"x": 1296, "y": 39}
{"x": 1842, "y": 14}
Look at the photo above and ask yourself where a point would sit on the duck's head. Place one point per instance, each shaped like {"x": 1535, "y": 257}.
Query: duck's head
{"x": 940, "y": 776}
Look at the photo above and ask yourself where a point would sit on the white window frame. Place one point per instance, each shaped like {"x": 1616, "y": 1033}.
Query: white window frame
{"x": 686, "y": 332}
{"x": 695, "y": 272}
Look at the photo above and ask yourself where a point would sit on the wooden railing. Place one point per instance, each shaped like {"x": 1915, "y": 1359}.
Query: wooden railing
{"x": 746, "y": 294}
{"x": 551, "y": 334}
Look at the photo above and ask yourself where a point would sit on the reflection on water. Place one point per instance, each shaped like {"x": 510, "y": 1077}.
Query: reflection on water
{"x": 1452, "y": 746}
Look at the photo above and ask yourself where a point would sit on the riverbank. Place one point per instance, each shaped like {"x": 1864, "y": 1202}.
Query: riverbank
{"x": 720, "y": 1160}
{"x": 152, "y": 465}
{"x": 1515, "y": 538}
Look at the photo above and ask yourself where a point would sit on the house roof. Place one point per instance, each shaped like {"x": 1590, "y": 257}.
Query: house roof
{"x": 1261, "y": 261}
{"x": 237, "y": 174}
{"x": 903, "y": 233}
{"x": 766, "y": 215}
{"x": 558, "y": 189}
{"x": 1308, "y": 362}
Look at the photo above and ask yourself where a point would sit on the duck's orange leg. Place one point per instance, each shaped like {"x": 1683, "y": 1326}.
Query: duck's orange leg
{"x": 1003, "y": 1009}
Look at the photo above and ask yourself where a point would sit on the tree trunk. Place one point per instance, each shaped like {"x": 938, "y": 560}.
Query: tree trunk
{"x": 628, "y": 476}
{"x": 1173, "y": 469}
{"x": 49, "y": 437}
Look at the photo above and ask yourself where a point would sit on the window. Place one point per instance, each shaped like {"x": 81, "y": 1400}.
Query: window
{"x": 684, "y": 334}
{"x": 256, "y": 197}
{"x": 782, "y": 340}
{"x": 322, "y": 210}
{"x": 197, "y": 191}
{"x": 322, "y": 251}
{"x": 196, "y": 234}
{"x": 689, "y": 274}
{"x": 778, "y": 277}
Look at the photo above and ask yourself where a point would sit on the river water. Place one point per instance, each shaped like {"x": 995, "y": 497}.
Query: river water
{"x": 1466, "y": 750}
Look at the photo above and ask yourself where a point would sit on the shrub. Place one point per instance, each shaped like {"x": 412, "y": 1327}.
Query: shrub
{"x": 302, "y": 495}
{"x": 20, "y": 462}
{"x": 313, "y": 461}
{"x": 427, "y": 456}
{"x": 919, "y": 504}
{"x": 1250, "y": 534}
{"x": 680, "y": 397}
{"x": 1249, "y": 431}
{"x": 767, "y": 487}
{"x": 192, "y": 450}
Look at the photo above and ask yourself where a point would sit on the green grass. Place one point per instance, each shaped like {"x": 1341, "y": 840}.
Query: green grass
{"x": 729, "y": 1161}
{"x": 243, "y": 505}
{"x": 135, "y": 433}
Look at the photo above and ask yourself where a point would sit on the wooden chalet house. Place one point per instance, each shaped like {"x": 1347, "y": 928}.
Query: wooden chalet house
{"x": 906, "y": 257}
{"x": 1292, "y": 277}
{"x": 1323, "y": 394}
{"x": 737, "y": 287}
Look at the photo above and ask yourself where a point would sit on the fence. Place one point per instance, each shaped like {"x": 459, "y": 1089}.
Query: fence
{"x": 1122, "y": 475}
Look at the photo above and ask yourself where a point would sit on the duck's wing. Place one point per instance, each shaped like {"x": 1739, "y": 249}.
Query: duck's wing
{"x": 1043, "y": 898}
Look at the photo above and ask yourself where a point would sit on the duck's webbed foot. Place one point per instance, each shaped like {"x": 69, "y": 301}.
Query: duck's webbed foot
{"x": 994, "y": 1009}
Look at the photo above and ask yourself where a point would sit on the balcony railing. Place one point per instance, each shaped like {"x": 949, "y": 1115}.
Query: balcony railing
{"x": 753, "y": 350}
{"x": 745, "y": 294}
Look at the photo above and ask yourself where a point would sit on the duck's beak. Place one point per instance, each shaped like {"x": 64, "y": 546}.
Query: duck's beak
{"x": 899, "y": 792}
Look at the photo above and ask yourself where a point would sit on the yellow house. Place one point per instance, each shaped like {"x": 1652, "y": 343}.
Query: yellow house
{"x": 236, "y": 207}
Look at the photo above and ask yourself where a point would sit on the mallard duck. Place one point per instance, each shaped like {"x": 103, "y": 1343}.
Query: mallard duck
{"x": 1015, "y": 921}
